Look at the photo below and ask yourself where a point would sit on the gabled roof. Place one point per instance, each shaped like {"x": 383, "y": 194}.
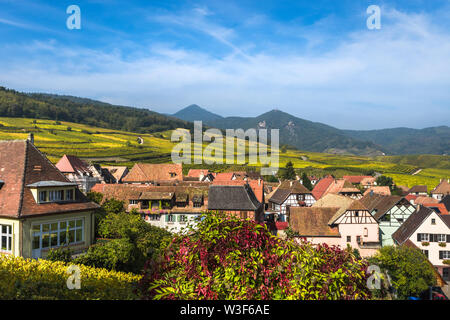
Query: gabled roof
{"x": 287, "y": 188}
{"x": 356, "y": 179}
{"x": 313, "y": 221}
{"x": 383, "y": 190}
{"x": 321, "y": 187}
{"x": 442, "y": 188}
{"x": 72, "y": 164}
{"x": 418, "y": 189}
{"x": 411, "y": 224}
{"x": 21, "y": 165}
{"x": 150, "y": 172}
{"x": 196, "y": 173}
{"x": 425, "y": 199}
{"x": 227, "y": 176}
{"x": 51, "y": 183}
{"x": 156, "y": 195}
{"x": 118, "y": 172}
{"x": 446, "y": 202}
{"x": 379, "y": 203}
{"x": 334, "y": 201}
{"x": 232, "y": 198}
{"x": 437, "y": 207}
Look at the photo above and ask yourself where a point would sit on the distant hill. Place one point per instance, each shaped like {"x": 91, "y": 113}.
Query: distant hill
{"x": 196, "y": 113}
{"x": 85, "y": 111}
{"x": 435, "y": 140}
{"x": 319, "y": 137}
{"x": 302, "y": 134}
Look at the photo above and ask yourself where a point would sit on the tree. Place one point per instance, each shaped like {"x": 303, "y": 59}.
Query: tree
{"x": 131, "y": 242}
{"x": 408, "y": 268}
{"x": 289, "y": 172}
{"x": 229, "y": 258}
{"x": 385, "y": 181}
{"x": 306, "y": 182}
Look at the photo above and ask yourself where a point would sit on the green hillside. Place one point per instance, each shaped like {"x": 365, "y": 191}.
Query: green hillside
{"x": 107, "y": 146}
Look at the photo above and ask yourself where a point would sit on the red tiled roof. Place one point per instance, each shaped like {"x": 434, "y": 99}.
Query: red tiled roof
{"x": 424, "y": 199}
{"x": 149, "y": 172}
{"x": 224, "y": 176}
{"x": 72, "y": 164}
{"x": 383, "y": 190}
{"x": 321, "y": 187}
{"x": 440, "y": 206}
{"x": 195, "y": 173}
{"x": 22, "y": 164}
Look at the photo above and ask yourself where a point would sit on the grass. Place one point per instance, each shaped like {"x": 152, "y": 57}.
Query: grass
{"x": 107, "y": 146}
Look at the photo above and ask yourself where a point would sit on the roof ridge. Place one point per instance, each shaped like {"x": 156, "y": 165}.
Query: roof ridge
{"x": 22, "y": 188}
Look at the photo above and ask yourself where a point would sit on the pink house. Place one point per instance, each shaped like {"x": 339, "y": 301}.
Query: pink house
{"x": 342, "y": 223}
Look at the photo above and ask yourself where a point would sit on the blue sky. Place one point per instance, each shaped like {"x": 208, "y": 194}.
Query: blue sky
{"x": 314, "y": 59}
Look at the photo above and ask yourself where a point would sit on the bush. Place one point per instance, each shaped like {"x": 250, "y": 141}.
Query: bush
{"x": 60, "y": 254}
{"x": 409, "y": 269}
{"x": 230, "y": 258}
{"x": 42, "y": 279}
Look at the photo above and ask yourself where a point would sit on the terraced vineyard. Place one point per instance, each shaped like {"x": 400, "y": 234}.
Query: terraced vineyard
{"x": 108, "y": 146}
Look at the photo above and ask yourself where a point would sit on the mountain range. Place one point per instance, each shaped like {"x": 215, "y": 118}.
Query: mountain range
{"x": 295, "y": 132}
{"x": 319, "y": 137}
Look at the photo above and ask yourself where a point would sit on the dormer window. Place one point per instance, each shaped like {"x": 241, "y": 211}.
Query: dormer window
{"x": 69, "y": 195}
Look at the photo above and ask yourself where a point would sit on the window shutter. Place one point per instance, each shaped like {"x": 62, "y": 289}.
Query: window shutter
{"x": 419, "y": 237}
{"x": 448, "y": 238}
{"x": 167, "y": 218}
{"x": 441, "y": 254}
{"x": 432, "y": 238}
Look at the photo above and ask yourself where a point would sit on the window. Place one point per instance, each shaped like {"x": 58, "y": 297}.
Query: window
{"x": 197, "y": 204}
{"x": 69, "y": 194}
{"x": 133, "y": 202}
{"x": 446, "y": 274}
{"x": 5, "y": 238}
{"x": 58, "y": 233}
{"x": 433, "y": 221}
{"x": 349, "y": 238}
{"x": 56, "y": 195}
{"x": 182, "y": 218}
{"x": 301, "y": 197}
{"x": 444, "y": 255}
{"x": 366, "y": 232}
{"x": 42, "y": 196}
{"x": 421, "y": 237}
{"x": 425, "y": 252}
{"x": 358, "y": 239}
{"x": 153, "y": 217}
{"x": 356, "y": 213}
{"x": 170, "y": 218}
{"x": 441, "y": 237}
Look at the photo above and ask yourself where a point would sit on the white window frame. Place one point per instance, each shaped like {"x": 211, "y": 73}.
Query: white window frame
{"x": 52, "y": 195}
{"x": 134, "y": 202}
{"x": 7, "y": 235}
{"x": 441, "y": 237}
{"x": 39, "y": 195}
{"x": 445, "y": 255}
{"x": 59, "y": 230}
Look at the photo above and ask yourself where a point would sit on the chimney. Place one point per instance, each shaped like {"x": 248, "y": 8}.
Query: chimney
{"x": 371, "y": 193}
{"x": 259, "y": 181}
{"x": 31, "y": 137}
{"x": 290, "y": 182}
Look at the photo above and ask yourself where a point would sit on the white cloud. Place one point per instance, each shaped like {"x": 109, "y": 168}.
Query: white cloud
{"x": 397, "y": 76}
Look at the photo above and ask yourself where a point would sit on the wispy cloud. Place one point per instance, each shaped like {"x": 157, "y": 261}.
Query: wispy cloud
{"x": 403, "y": 68}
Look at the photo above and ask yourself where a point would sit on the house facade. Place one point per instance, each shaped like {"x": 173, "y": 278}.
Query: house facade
{"x": 441, "y": 190}
{"x": 169, "y": 207}
{"x": 390, "y": 212}
{"x": 40, "y": 208}
{"x": 430, "y": 232}
{"x": 350, "y": 225}
{"x": 289, "y": 194}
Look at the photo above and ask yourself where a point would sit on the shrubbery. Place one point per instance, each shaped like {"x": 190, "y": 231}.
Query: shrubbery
{"x": 42, "y": 279}
{"x": 229, "y": 258}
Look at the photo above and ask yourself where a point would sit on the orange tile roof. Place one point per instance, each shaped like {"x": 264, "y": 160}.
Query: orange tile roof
{"x": 149, "y": 172}
{"x": 356, "y": 179}
{"x": 383, "y": 190}
{"x": 321, "y": 187}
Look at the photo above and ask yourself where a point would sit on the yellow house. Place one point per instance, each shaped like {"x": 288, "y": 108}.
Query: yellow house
{"x": 40, "y": 208}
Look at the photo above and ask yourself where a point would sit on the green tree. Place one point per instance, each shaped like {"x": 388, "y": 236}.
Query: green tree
{"x": 385, "y": 181}
{"x": 289, "y": 172}
{"x": 306, "y": 182}
{"x": 408, "y": 268}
